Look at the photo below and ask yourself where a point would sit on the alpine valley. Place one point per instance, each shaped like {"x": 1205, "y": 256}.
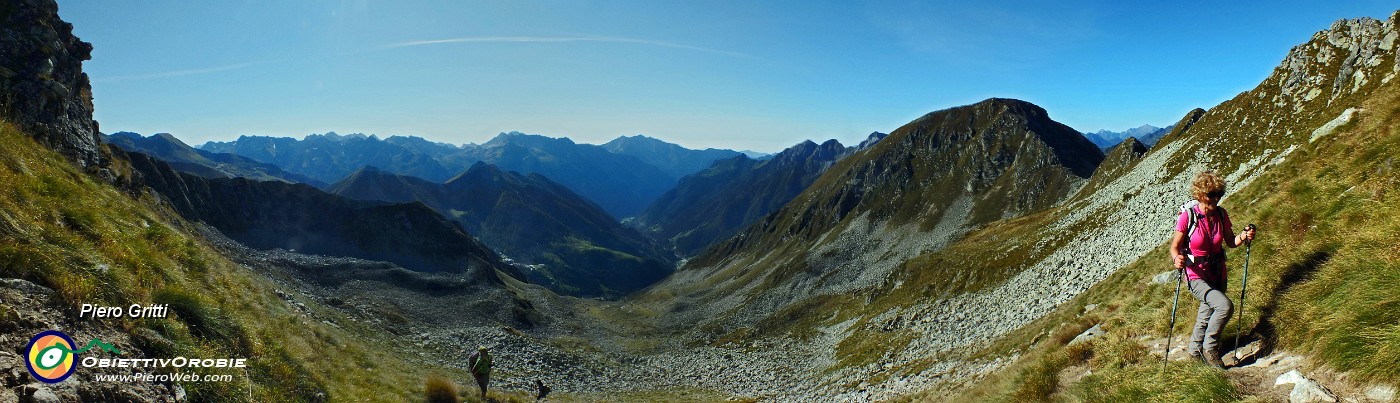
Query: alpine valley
{"x": 981, "y": 252}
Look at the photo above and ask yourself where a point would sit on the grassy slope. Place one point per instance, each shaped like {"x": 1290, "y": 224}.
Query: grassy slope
{"x": 1321, "y": 282}
{"x": 94, "y": 244}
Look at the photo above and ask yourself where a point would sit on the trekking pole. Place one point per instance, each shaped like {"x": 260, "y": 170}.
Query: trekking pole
{"x": 1172, "y": 328}
{"x": 1244, "y": 283}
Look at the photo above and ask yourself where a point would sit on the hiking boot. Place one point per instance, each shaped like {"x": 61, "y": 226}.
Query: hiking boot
{"x": 1196, "y": 356}
{"x": 1213, "y": 359}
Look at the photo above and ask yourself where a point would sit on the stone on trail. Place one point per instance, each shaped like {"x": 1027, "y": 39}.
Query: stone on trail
{"x": 1305, "y": 390}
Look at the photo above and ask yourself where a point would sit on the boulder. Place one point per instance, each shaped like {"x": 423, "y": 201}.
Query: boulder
{"x": 1243, "y": 354}
{"x": 1381, "y": 393}
{"x": 1305, "y": 390}
{"x": 12, "y": 369}
{"x": 1093, "y": 332}
{"x": 1165, "y": 277}
{"x": 35, "y": 393}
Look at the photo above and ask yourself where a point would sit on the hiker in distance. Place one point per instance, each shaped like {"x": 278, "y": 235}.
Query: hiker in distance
{"x": 1203, "y": 230}
{"x": 479, "y": 363}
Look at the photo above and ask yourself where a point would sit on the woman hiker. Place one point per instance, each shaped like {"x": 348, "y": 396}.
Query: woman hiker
{"x": 1202, "y": 254}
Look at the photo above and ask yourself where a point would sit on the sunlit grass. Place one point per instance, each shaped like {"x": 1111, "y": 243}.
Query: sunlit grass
{"x": 92, "y": 243}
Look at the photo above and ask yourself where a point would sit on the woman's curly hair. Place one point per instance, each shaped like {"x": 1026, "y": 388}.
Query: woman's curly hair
{"x": 1205, "y": 183}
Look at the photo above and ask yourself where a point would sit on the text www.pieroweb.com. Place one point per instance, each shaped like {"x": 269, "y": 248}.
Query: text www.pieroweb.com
{"x": 172, "y": 377}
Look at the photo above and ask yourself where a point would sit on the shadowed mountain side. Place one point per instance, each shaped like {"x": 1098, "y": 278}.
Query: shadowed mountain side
{"x": 714, "y": 204}
{"x": 570, "y": 244}
{"x": 1119, "y": 159}
{"x": 267, "y": 215}
{"x": 204, "y": 163}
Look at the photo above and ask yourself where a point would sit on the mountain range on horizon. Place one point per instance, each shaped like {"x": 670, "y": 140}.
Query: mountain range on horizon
{"x": 1147, "y": 134}
{"x": 980, "y": 252}
{"x": 184, "y": 158}
{"x": 616, "y": 176}
{"x": 672, "y": 159}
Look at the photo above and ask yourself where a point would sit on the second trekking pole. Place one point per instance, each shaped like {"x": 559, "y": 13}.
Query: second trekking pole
{"x": 1244, "y": 283}
{"x": 1167, "y": 352}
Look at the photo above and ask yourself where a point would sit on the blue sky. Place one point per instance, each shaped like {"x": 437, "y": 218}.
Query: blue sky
{"x": 741, "y": 74}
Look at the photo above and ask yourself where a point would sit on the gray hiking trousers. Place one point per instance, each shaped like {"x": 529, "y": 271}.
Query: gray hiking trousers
{"x": 1210, "y": 317}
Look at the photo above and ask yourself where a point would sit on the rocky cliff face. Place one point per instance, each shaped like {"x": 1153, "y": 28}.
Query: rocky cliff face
{"x": 43, "y": 89}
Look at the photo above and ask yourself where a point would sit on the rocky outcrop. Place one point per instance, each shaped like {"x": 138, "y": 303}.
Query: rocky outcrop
{"x": 1304, "y": 390}
{"x": 43, "y": 89}
{"x": 870, "y": 140}
{"x": 1339, "y": 61}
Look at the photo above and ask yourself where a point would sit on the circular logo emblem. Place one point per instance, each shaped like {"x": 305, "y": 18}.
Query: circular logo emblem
{"x": 50, "y": 356}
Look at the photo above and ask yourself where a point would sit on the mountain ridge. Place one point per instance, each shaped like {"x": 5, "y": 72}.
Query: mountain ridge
{"x": 621, "y": 184}
{"x": 203, "y": 163}
{"x": 563, "y": 240}
{"x": 266, "y": 215}
{"x": 1146, "y": 134}
{"x": 714, "y": 204}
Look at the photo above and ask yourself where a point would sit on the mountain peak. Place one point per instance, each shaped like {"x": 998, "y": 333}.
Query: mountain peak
{"x": 515, "y": 137}
{"x": 170, "y": 138}
{"x": 870, "y": 140}
{"x": 480, "y": 167}
{"x": 1069, "y": 146}
{"x": 125, "y": 134}
{"x": 673, "y": 159}
{"x": 1013, "y": 105}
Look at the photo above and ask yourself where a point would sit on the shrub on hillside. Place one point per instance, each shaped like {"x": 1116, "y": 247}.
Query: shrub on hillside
{"x": 438, "y": 390}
